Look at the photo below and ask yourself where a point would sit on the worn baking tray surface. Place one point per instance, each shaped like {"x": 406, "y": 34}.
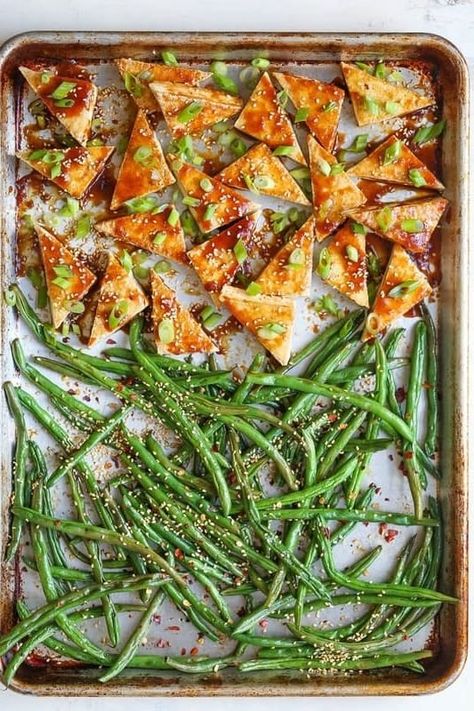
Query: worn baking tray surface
{"x": 429, "y": 60}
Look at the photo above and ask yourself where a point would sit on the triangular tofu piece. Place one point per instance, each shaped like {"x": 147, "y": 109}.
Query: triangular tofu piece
{"x": 321, "y": 102}
{"x": 262, "y": 172}
{"x": 120, "y": 299}
{"x": 138, "y": 76}
{"x": 144, "y": 169}
{"x": 345, "y": 262}
{"x": 69, "y": 99}
{"x": 215, "y": 261}
{"x": 67, "y": 279}
{"x": 175, "y": 329}
{"x": 334, "y": 193}
{"x": 218, "y": 204}
{"x": 402, "y": 287}
{"x": 148, "y": 231}
{"x": 265, "y": 119}
{"x": 188, "y": 110}
{"x": 393, "y": 162}
{"x": 411, "y": 224}
{"x": 289, "y": 272}
{"x": 269, "y": 318}
{"x": 72, "y": 169}
{"x": 375, "y": 99}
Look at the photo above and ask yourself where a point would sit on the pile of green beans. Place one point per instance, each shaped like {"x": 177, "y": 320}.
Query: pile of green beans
{"x": 268, "y": 476}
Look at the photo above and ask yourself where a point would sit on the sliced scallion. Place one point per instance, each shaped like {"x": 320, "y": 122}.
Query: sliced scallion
{"x": 83, "y": 227}
{"x": 169, "y": 58}
{"x": 384, "y": 218}
{"x": 209, "y": 211}
{"x": 159, "y": 238}
{"x": 283, "y": 151}
{"x": 166, "y": 331}
{"x": 330, "y": 106}
{"x": 391, "y": 107}
{"x": 253, "y": 289}
{"x": 358, "y": 229}
{"x": 260, "y": 63}
{"x": 270, "y": 331}
{"x": 416, "y": 177}
{"x": 191, "y": 201}
{"x": 371, "y": 105}
{"x": 206, "y": 185}
{"x": 324, "y": 263}
{"x": 352, "y": 253}
{"x": 296, "y": 260}
{"x": 173, "y": 217}
{"x": 189, "y": 112}
{"x": 412, "y": 226}
{"x": 63, "y": 90}
{"x": 162, "y": 267}
{"x": 240, "y": 251}
{"x": 324, "y": 167}
{"x": 392, "y": 153}
{"x": 429, "y": 133}
{"x": 403, "y": 289}
{"x": 302, "y": 114}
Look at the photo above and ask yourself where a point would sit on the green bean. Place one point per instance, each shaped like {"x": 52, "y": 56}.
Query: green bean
{"x": 368, "y": 515}
{"x": 431, "y": 382}
{"x": 18, "y": 467}
{"x": 379, "y": 662}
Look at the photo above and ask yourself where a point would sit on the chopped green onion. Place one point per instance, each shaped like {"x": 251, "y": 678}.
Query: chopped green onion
{"x": 384, "y": 218}
{"x": 326, "y": 304}
{"x": 70, "y": 208}
{"x": 293, "y": 214}
{"x": 302, "y": 114}
{"x": 391, "y": 107}
{"x": 324, "y": 167}
{"x": 371, "y": 105}
{"x": 46, "y": 77}
{"x": 372, "y": 324}
{"x": 118, "y": 313}
{"x": 83, "y": 227}
{"x": 63, "y": 270}
{"x": 238, "y": 147}
{"x": 173, "y": 217}
{"x": 126, "y": 260}
{"x": 380, "y": 70}
{"x": 132, "y": 84}
{"x": 189, "y": 112}
{"x": 55, "y": 171}
{"x": 249, "y": 76}
{"x": 392, "y": 153}
{"x": 395, "y": 76}
{"x": 166, "y": 331}
{"x": 373, "y": 265}
{"x": 416, "y": 177}
{"x": 240, "y": 251}
{"x": 169, "y": 58}
{"x": 358, "y": 229}
{"x": 219, "y": 67}
{"x": 226, "y": 138}
{"x": 283, "y": 151}
{"x": 62, "y": 282}
{"x": 37, "y": 279}
{"x": 210, "y": 318}
{"x": 404, "y": 288}
{"x": 359, "y": 144}
{"x": 412, "y": 226}
{"x": 282, "y": 97}
{"x": 429, "y": 133}
{"x": 221, "y": 127}
{"x": 365, "y": 67}
{"x": 122, "y": 144}
{"x": 189, "y": 224}
{"x": 162, "y": 267}
{"x": 95, "y": 142}
{"x": 336, "y": 169}
{"x": 191, "y": 201}
{"x": 143, "y": 155}
{"x": 142, "y": 204}
{"x": 206, "y": 185}
{"x": 75, "y": 307}
{"x": 324, "y": 264}
{"x": 263, "y": 182}
{"x": 330, "y": 106}
{"x": 9, "y": 297}
{"x": 226, "y": 83}
{"x": 62, "y": 90}
{"x": 352, "y": 253}
{"x": 253, "y": 289}
{"x": 141, "y": 273}
{"x": 300, "y": 173}
{"x": 271, "y": 331}
{"x": 280, "y": 222}
{"x": 296, "y": 259}
{"x": 209, "y": 211}
{"x": 260, "y": 63}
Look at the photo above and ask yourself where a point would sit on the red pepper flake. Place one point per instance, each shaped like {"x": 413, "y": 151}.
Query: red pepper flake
{"x": 194, "y": 651}
{"x": 400, "y": 394}
{"x": 111, "y": 342}
{"x": 156, "y": 619}
{"x": 408, "y": 455}
{"x": 163, "y": 644}
{"x": 174, "y": 628}
{"x": 183, "y": 651}
{"x": 378, "y": 490}
{"x": 179, "y": 554}
{"x": 263, "y": 624}
{"x": 390, "y": 535}
{"x": 382, "y": 527}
